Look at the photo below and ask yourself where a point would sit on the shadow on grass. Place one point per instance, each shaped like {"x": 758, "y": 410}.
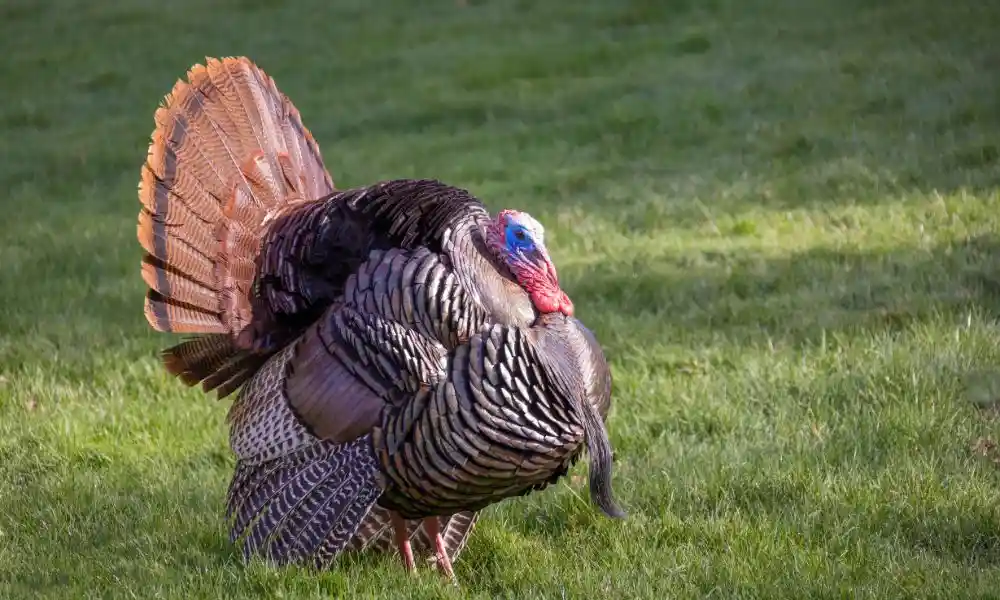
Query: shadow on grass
{"x": 953, "y": 530}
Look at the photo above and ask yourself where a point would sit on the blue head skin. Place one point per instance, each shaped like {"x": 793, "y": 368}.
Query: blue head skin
{"x": 519, "y": 241}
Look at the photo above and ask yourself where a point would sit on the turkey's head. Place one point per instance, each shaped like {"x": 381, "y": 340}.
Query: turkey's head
{"x": 519, "y": 242}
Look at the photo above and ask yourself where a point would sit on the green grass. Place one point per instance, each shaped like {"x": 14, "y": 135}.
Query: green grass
{"x": 781, "y": 218}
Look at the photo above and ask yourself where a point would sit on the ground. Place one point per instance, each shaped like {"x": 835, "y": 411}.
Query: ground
{"x": 780, "y": 217}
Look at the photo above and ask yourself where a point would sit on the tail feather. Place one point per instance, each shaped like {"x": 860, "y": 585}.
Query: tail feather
{"x": 308, "y": 505}
{"x": 455, "y": 530}
{"x": 197, "y": 358}
{"x": 242, "y": 370}
{"x": 175, "y": 196}
{"x": 229, "y": 152}
{"x": 239, "y": 364}
{"x": 214, "y": 360}
{"x": 182, "y": 317}
{"x": 164, "y": 280}
{"x": 376, "y": 532}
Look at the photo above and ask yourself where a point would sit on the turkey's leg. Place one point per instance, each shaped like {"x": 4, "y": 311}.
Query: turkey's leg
{"x": 402, "y": 540}
{"x": 443, "y": 562}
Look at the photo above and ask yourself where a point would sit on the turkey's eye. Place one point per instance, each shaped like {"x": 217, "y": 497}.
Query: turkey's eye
{"x": 519, "y": 235}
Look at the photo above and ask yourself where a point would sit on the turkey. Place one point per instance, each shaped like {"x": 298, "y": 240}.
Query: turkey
{"x": 403, "y": 358}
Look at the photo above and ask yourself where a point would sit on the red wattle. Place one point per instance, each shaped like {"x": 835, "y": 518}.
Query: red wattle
{"x": 550, "y": 301}
{"x": 542, "y": 284}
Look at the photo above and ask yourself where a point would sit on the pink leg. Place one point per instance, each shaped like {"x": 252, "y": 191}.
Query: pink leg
{"x": 443, "y": 562}
{"x": 402, "y": 540}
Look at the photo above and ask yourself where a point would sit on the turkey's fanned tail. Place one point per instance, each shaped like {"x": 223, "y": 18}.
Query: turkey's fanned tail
{"x": 228, "y": 154}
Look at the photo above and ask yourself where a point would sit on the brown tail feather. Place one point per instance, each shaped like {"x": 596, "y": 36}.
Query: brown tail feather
{"x": 228, "y": 153}
{"x": 213, "y": 360}
{"x": 234, "y": 373}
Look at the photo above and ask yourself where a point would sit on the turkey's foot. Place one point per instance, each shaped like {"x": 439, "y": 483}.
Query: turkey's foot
{"x": 402, "y": 536}
{"x": 443, "y": 562}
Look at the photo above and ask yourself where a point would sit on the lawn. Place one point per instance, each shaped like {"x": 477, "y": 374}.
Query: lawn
{"x": 780, "y": 217}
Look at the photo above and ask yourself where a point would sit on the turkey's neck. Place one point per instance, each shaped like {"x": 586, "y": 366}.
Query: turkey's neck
{"x": 487, "y": 280}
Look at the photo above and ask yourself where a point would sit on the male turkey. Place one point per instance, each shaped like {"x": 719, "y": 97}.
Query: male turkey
{"x": 405, "y": 359}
